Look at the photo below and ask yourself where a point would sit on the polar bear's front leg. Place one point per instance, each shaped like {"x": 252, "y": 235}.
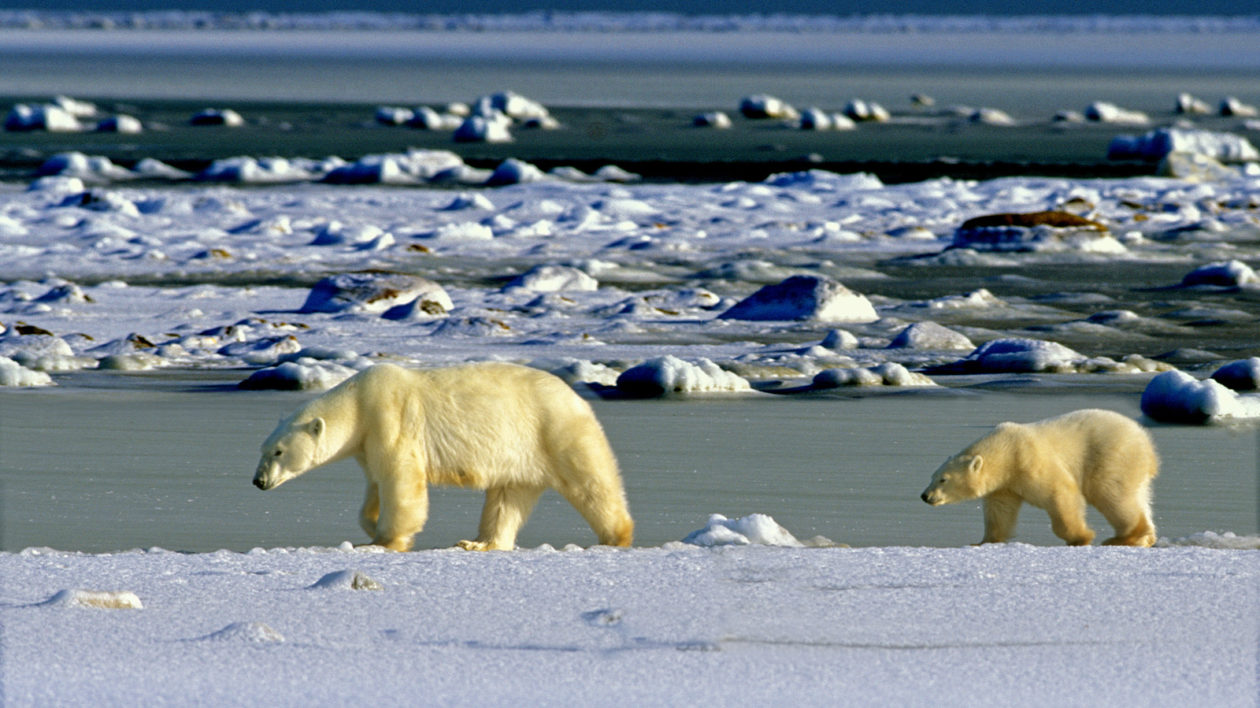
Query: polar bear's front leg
{"x": 505, "y": 511}
{"x": 1001, "y": 512}
{"x": 404, "y": 507}
{"x": 1067, "y": 518}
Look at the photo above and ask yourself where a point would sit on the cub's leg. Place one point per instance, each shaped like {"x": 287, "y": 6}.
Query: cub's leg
{"x": 370, "y": 511}
{"x": 505, "y": 511}
{"x": 1130, "y": 516}
{"x": 1067, "y": 518}
{"x": 1001, "y": 512}
{"x": 404, "y": 507}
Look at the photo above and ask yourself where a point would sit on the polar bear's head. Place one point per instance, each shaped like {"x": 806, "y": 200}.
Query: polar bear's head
{"x": 956, "y": 480}
{"x": 289, "y": 451}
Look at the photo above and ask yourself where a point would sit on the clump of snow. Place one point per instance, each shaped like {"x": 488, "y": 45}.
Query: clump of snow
{"x": 39, "y": 350}
{"x": 712, "y": 119}
{"x": 1103, "y": 112}
{"x": 493, "y": 128}
{"x": 804, "y": 297}
{"x": 376, "y": 292}
{"x": 1233, "y": 108}
{"x": 249, "y": 632}
{"x": 818, "y": 119}
{"x": 1015, "y": 355}
{"x": 754, "y": 529}
{"x": 514, "y": 171}
{"x": 261, "y": 170}
{"x": 930, "y": 335}
{"x": 225, "y": 117}
{"x": 1188, "y": 104}
{"x": 578, "y": 371}
{"x": 668, "y": 375}
{"x": 92, "y": 168}
{"x": 866, "y": 111}
{"x": 1192, "y": 166}
{"x": 1241, "y": 375}
{"x": 1157, "y": 144}
{"x": 886, "y": 374}
{"x": 346, "y": 580}
{"x": 991, "y": 116}
{"x": 14, "y": 374}
{"x": 1210, "y": 539}
{"x": 47, "y": 117}
{"x": 304, "y": 374}
{"x": 1178, "y": 397}
{"x": 121, "y": 123}
{"x": 838, "y": 339}
{"x": 763, "y": 106}
{"x": 553, "y": 279}
{"x": 97, "y": 599}
{"x": 1223, "y": 274}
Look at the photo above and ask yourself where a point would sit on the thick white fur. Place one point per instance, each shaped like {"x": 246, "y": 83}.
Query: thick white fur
{"x": 511, "y": 430}
{"x": 1088, "y": 456}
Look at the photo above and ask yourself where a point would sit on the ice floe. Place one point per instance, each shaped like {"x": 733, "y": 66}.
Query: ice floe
{"x": 1178, "y": 397}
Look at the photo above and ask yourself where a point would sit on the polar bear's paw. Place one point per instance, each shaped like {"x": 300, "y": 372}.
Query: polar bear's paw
{"x": 473, "y": 545}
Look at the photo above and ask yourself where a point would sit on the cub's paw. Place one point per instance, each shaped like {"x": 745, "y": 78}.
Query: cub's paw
{"x": 473, "y": 545}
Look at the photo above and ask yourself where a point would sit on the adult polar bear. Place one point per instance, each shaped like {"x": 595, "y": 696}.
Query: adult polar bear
{"x": 1058, "y": 464}
{"x": 511, "y": 430}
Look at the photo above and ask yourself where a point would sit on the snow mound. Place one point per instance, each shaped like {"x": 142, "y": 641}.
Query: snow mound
{"x": 304, "y": 374}
{"x": 804, "y": 297}
{"x": 754, "y": 529}
{"x": 930, "y": 335}
{"x": 886, "y": 374}
{"x": 1223, "y": 274}
{"x": 866, "y": 111}
{"x": 14, "y": 374}
{"x": 376, "y": 292}
{"x": 1103, "y": 112}
{"x": 225, "y": 117}
{"x": 668, "y": 375}
{"x": 1178, "y": 397}
{"x": 1209, "y": 539}
{"x": 494, "y": 128}
{"x": 1241, "y": 375}
{"x": 818, "y": 119}
{"x": 251, "y": 632}
{"x": 47, "y": 117}
{"x": 1158, "y": 144}
{"x": 96, "y": 599}
{"x": 712, "y": 119}
{"x": 1015, "y": 355}
{"x": 762, "y": 107}
{"x": 346, "y": 580}
{"x": 553, "y": 279}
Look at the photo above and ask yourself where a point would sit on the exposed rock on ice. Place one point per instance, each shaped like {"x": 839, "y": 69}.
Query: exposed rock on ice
{"x": 1241, "y": 375}
{"x": 1040, "y": 231}
{"x": 804, "y": 297}
{"x": 669, "y": 375}
{"x": 886, "y": 374}
{"x": 1177, "y": 397}
{"x": 1157, "y": 144}
{"x": 1224, "y": 274}
{"x": 930, "y": 335}
{"x": 376, "y": 292}
{"x": 762, "y": 106}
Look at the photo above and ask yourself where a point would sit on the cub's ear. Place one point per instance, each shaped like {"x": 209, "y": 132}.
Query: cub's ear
{"x": 315, "y": 427}
{"x": 976, "y": 463}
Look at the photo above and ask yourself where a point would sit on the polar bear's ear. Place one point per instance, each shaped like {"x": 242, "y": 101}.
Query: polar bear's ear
{"x": 976, "y": 463}
{"x": 315, "y": 427}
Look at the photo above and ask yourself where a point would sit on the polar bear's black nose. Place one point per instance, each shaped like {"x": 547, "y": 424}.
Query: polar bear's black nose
{"x": 923, "y": 496}
{"x": 259, "y": 483}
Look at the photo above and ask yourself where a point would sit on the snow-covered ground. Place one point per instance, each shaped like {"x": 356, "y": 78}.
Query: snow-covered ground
{"x": 675, "y": 625}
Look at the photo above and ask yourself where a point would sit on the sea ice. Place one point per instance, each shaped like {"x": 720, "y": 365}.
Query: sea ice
{"x": 1158, "y": 143}
{"x": 14, "y": 374}
{"x": 376, "y": 292}
{"x": 1014, "y": 355}
{"x": 886, "y": 374}
{"x": 1241, "y": 375}
{"x": 1223, "y": 274}
{"x": 754, "y": 529}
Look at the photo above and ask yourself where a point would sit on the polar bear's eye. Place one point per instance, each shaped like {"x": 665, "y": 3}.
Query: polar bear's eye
{"x": 277, "y": 453}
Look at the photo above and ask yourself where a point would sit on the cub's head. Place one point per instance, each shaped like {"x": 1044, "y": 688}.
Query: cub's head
{"x": 955, "y": 480}
{"x": 288, "y": 452}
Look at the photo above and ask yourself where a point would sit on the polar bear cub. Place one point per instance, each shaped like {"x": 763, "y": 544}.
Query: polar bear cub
{"x": 510, "y": 430}
{"x": 1088, "y": 456}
